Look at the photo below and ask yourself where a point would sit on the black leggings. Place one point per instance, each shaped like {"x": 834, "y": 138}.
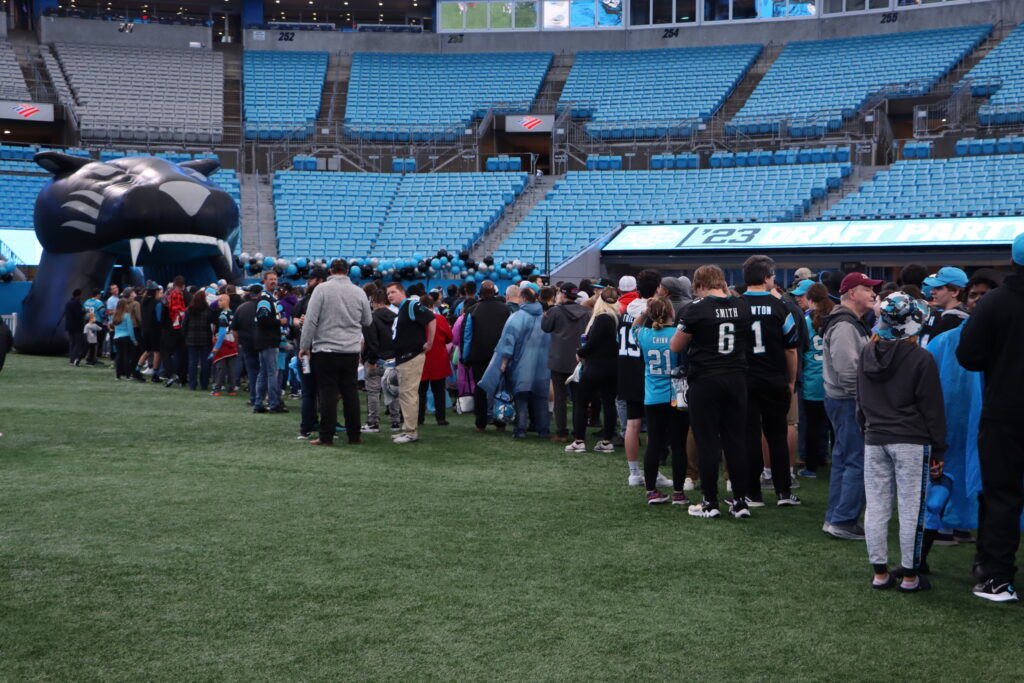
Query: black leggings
{"x": 587, "y": 390}
{"x": 666, "y": 428}
{"x": 124, "y": 362}
{"x": 816, "y": 424}
{"x": 718, "y": 413}
{"x": 437, "y": 387}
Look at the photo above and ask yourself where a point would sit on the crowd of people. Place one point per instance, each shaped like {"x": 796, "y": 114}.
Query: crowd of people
{"x": 906, "y": 388}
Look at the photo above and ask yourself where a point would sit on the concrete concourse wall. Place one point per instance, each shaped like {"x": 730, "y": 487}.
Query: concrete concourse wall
{"x": 72, "y": 30}
{"x": 917, "y": 18}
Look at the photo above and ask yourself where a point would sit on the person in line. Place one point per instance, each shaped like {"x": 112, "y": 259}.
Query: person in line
{"x": 308, "y": 415}
{"x": 269, "y": 322}
{"x": 437, "y": 367}
{"x": 197, "y": 325}
{"x": 413, "y": 336}
{"x": 629, "y": 380}
{"x": 598, "y": 352}
{"x": 771, "y": 380}
{"x": 715, "y": 333}
{"x": 480, "y": 333}
{"x": 173, "y": 353}
{"x": 666, "y": 426}
{"x": 98, "y": 308}
{"x": 151, "y": 310}
{"x": 813, "y": 389}
{"x": 124, "y": 340}
{"x": 991, "y": 343}
{"x": 74, "y": 322}
{"x": 900, "y": 409}
{"x": 565, "y": 322}
{"x": 378, "y": 353}
{"x": 92, "y": 333}
{"x": 948, "y": 287}
{"x": 332, "y": 333}
{"x": 522, "y": 353}
{"x": 244, "y": 325}
{"x": 225, "y": 350}
{"x": 677, "y": 293}
{"x": 845, "y": 334}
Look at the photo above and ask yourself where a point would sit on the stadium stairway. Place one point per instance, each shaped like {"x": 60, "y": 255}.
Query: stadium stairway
{"x": 259, "y": 232}
{"x": 514, "y": 214}
{"x": 741, "y": 93}
{"x": 232, "y": 87}
{"x": 335, "y": 92}
{"x": 28, "y": 53}
{"x": 851, "y": 184}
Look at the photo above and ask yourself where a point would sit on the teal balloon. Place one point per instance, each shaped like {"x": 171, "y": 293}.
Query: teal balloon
{"x": 356, "y": 271}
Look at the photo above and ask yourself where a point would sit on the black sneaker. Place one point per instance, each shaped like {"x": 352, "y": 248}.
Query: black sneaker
{"x": 259, "y": 409}
{"x": 738, "y": 509}
{"x": 996, "y": 591}
{"x": 279, "y": 408}
{"x": 790, "y": 500}
{"x": 704, "y": 509}
{"x": 945, "y": 540}
{"x": 923, "y": 584}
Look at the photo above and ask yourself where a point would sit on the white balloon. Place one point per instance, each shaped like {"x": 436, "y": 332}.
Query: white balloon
{"x": 244, "y": 256}
{"x": 259, "y": 256}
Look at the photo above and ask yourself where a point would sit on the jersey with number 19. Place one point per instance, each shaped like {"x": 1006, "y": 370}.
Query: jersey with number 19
{"x": 631, "y": 365}
{"x": 720, "y": 327}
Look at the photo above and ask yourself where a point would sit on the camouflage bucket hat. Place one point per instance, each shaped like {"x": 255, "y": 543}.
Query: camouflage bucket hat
{"x": 900, "y": 316}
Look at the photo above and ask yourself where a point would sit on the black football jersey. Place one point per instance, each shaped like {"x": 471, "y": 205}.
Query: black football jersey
{"x": 720, "y": 327}
{"x": 773, "y": 329}
{"x": 631, "y": 364}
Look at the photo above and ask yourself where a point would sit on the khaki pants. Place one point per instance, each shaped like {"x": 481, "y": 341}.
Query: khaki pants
{"x": 409, "y": 375}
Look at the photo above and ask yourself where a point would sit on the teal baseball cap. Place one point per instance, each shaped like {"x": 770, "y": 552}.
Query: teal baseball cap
{"x": 1018, "y": 250}
{"x": 947, "y": 275}
{"x": 801, "y": 287}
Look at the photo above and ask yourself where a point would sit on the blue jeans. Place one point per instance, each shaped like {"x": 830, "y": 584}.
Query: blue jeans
{"x": 846, "y": 479}
{"x": 267, "y": 384}
{"x": 541, "y": 416}
{"x": 198, "y": 366}
{"x": 308, "y": 419}
{"x": 251, "y": 362}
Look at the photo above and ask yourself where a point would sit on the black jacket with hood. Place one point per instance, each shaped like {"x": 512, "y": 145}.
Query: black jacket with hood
{"x": 378, "y": 344}
{"x": 992, "y": 342}
{"x": 899, "y": 396}
{"x": 565, "y": 322}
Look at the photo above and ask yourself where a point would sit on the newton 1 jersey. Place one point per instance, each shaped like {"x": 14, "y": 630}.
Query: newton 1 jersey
{"x": 773, "y": 330}
{"x": 720, "y": 327}
{"x": 659, "y": 361}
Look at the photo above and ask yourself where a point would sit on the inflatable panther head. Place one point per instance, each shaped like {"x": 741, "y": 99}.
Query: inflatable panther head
{"x": 138, "y": 211}
{"x": 142, "y": 208}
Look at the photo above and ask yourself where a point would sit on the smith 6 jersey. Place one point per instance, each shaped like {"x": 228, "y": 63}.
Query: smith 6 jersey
{"x": 720, "y": 327}
{"x": 773, "y": 330}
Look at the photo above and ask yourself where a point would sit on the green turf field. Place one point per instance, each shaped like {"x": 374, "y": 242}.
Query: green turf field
{"x": 160, "y": 534}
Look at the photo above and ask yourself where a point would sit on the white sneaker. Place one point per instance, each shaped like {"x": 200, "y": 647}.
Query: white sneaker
{"x": 636, "y": 479}
{"x": 688, "y": 484}
{"x": 664, "y": 481}
{"x": 604, "y": 447}
{"x": 766, "y": 480}
{"x": 728, "y": 485}
{"x": 404, "y": 437}
{"x": 369, "y": 429}
{"x": 147, "y": 371}
{"x": 794, "y": 480}
{"x": 575, "y": 447}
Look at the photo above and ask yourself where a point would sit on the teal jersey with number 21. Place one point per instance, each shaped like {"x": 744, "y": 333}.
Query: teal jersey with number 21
{"x": 659, "y": 362}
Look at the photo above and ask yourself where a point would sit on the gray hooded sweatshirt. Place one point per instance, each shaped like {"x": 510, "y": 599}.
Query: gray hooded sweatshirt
{"x": 845, "y": 335}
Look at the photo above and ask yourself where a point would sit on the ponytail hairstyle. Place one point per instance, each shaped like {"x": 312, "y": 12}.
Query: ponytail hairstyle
{"x": 660, "y": 312}
{"x": 823, "y": 305}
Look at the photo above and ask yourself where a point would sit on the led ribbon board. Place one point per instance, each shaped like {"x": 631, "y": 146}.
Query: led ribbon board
{"x": 925, "y": 232}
